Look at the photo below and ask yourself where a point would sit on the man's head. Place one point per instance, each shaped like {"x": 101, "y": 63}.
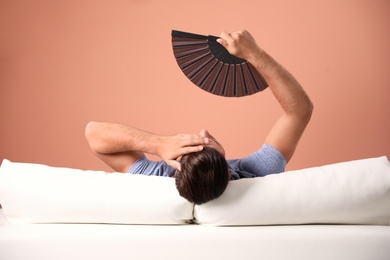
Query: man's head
{"x": 204, "y": 175}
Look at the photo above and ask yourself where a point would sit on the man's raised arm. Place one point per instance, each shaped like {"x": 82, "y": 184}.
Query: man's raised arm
{"x": 294, "y": 101}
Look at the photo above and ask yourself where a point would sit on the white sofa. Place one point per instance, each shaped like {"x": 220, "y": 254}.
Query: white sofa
{"x": 338, "y": 211}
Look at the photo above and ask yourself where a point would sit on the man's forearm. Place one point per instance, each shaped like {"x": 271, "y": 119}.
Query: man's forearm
{"x": 284, "y": 86}
{"x": 111, "y": 139}
{"x": 108, "y": 138}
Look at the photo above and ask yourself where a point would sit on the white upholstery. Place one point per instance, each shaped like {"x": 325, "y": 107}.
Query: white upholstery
{"x": 355, "y": 192}
{"x": 34, "y": 193}
{"x": 192, "y": 242}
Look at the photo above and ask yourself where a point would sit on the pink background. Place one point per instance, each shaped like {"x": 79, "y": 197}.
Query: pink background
{"x": 64, "y": 63}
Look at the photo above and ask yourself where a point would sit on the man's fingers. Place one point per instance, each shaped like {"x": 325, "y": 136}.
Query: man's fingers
{"x": 225, "y": 39}
{"x": 192, "y": 149}
{"x": 226, "y": 36}
{"x": 175, "y": 164}
{"x": 222, "y": 42}
{"x": 193, "y": 140}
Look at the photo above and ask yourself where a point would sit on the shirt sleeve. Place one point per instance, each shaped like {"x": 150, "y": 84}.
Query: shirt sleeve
{"x": 152, "y": 168}
{"x": 267, "y": 160}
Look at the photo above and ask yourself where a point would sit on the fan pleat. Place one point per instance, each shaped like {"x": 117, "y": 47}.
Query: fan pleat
{"x": 178, "y": 41}
{"x": 204, "y": 73}
{"x": 187, "y": 60}
{"x": 240, "y": 82}
{"x": 209, "y": 82}
{"x": 230, "y": 84}
{"x": 184, "y": 50}
{"x": 221, "y": 80}
{"x": 197, "y": 66}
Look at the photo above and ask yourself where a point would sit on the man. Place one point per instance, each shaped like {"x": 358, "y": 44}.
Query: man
{"x": 197, "y": 161}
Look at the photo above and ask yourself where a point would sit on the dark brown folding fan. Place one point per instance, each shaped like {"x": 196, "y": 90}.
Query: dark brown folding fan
{"x": 212, "y": 68}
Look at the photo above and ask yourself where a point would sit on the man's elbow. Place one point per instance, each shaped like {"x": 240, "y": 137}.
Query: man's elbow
{"x": 89, "y": 129}
{"x": 308, "y": 110}
{"x": 303, "y": 110}
{"x": 90, "y": 135}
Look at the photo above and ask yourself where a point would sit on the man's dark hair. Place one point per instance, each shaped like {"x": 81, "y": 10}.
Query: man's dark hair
{"x": 204, "y": 176}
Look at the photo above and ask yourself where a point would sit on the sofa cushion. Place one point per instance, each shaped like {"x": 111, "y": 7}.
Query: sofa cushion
{"x": 35, "y": 193}
{"x": 355, "y": 192}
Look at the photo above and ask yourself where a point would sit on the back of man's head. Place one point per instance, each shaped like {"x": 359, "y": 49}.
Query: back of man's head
{"x": 204, "y": 176}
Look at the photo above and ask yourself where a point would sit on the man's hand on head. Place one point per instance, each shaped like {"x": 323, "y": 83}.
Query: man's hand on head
{"x": 172, "y": 147}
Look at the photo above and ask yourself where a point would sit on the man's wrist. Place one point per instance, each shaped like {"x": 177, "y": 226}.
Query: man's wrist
{"x": 265, "y": 64}
{"x": 255, "y": 56}
{"x": 155, "y": 143}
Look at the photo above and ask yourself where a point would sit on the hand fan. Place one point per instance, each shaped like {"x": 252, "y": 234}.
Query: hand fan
{"x": 211, "y": 67}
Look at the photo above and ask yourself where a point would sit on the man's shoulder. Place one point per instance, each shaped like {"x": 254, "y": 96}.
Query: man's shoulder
{"x": 149, "y": 167}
